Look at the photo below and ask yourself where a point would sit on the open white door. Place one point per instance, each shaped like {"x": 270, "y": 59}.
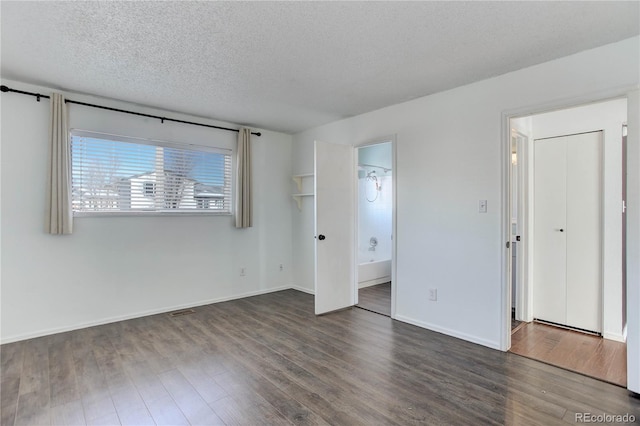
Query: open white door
{"x": 523, "y": 312}
{"x": 334, "y": 227}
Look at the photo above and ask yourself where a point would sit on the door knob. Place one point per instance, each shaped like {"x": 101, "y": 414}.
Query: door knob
{"x": 561, "y": 230}
{"x": 321, "y": 237}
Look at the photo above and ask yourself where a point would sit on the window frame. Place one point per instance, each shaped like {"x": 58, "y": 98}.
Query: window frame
{"x": 165, "y": 144}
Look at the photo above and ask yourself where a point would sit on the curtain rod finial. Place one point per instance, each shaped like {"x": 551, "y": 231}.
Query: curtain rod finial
{"x": 4, "y": 88}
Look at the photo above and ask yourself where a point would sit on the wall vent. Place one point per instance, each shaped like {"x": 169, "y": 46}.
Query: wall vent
{"x": 181, "y": 313}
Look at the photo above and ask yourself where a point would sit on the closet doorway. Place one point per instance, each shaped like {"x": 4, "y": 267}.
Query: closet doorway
{"x": 569, "y": 288}
{"x": 374, "y": 235}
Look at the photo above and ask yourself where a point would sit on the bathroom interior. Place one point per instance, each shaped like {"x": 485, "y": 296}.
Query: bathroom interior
{"x": 375, "y": 209}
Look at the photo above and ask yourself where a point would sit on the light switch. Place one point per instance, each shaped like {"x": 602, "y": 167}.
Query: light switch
{"x": 482, "y": 206}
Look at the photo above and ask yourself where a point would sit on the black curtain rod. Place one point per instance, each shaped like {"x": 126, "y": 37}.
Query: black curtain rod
{"x": 38, "y": 96}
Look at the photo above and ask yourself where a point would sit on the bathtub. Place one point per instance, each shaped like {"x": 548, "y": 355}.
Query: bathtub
{"x": 372, "y": 273}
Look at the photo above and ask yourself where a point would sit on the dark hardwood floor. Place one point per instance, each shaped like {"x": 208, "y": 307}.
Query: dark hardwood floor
{"x": 269, "y": 360}
{"x": 586, "y": 354}
{"x": 376, "y": 298}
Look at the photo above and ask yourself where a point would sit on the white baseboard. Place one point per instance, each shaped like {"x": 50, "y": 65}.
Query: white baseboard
{"x": 303, "y": 289}
{"x": 449, "y": 332}
{"x": 614, "y": 336}
{"x": 87, "y": 324}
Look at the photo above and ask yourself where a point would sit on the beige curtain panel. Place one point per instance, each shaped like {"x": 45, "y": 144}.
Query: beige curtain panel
{"x": 244, "y": 206}
{"x": 59, "y": 216}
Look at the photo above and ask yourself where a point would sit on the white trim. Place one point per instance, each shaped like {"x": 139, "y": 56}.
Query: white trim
{"x": 377, "y": 141}
{"x": 453, "y": 333}
{"x": 302, "y": 289}
{"x": 614, "y": 336}
{"x": 394, "y": 226}
{"x": 142, "y": 314}
{"x": 144, "y": 213}
{"x": 571, "y": 102}
{"x": 505, "y": 234}
{"x": 523, "y": 311}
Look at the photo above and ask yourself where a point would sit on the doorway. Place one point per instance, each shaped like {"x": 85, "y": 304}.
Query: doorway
{"x": 552, "y": 344}
{"x": 374, "y": 229}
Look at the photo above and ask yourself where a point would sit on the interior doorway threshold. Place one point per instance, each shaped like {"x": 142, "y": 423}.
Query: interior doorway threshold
{"x": 581, "y": 353}
{"x": 376, "y": 298}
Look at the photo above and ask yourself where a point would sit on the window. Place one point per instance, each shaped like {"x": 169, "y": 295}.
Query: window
{"x": 149, "y": 189}
{"x": 117, "y": 174}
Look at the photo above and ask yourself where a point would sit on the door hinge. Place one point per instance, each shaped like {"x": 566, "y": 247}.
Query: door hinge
{"x": 508, "y": 244}
{"x": 624, "y": 206}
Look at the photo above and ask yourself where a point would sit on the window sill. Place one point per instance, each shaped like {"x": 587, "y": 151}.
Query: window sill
{"x": 149, "y": 213}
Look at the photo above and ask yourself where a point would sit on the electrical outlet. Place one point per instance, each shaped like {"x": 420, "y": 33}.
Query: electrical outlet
{"x": 433, "y": 294}
{"x": 243, "y": 271}
{"x": 281, "y": 267}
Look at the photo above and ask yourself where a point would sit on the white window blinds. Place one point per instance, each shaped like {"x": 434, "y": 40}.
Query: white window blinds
{"x": 112, "y": 174}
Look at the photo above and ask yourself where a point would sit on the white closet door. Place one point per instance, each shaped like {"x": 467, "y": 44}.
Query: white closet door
{"x": 584, "y": 258}
{"x": 550, "y": 255}
{"x": 567, "y": 230}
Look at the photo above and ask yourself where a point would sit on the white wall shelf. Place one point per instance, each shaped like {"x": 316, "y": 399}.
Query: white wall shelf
{"x": 299, "y": 197}
{"x": 298, "y": 180}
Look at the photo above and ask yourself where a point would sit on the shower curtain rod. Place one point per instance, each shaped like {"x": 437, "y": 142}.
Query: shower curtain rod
{"x": 38, "y": 96}
{"x": 386, "y": 169}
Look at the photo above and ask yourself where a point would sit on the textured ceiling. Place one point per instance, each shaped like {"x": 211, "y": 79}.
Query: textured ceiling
{"x": 290, "y": 66}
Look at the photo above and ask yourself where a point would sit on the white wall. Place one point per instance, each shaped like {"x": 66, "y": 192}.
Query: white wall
{"x": 449, "y": 156}
{"x": 120, "y": 267}
{"x": 633, "y": 243}
{"x": 609, "y": 117}
{"x": 303, "y": 225}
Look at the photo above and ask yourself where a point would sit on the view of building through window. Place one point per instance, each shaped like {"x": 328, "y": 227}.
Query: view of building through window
{"x": 118, "y": 174}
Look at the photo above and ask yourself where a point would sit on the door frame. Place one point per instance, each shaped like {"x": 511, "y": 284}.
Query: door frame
{"x": 523, "y": 296}
{"x": 394, "y": 231}
{"x": 624, "y": 222}
{"x": 505, "y": 148}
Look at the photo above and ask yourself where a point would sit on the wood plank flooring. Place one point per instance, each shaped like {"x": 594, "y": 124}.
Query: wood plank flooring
{"x": 591, "y": 355}
{"x": 376, "y": 298}
{"x": 269, "y": 360}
